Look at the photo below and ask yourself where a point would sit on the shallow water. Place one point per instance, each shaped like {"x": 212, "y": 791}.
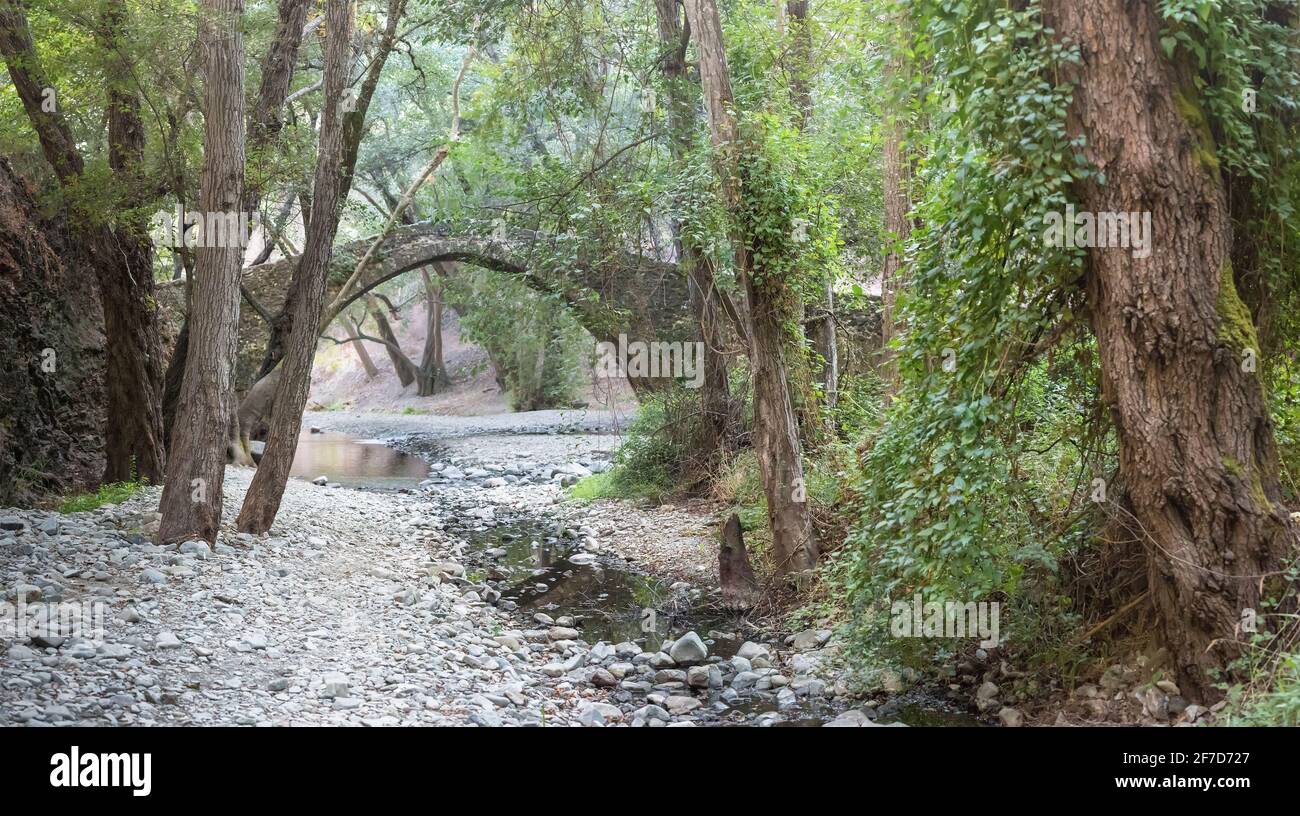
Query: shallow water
{"x": 534, "y": 566}
{"x": 363, "y": 463}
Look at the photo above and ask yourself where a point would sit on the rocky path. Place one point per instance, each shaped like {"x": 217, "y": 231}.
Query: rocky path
{"x": 359, "y": 609}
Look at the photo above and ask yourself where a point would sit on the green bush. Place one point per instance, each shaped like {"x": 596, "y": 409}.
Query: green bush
{"x": 659, "y": 454}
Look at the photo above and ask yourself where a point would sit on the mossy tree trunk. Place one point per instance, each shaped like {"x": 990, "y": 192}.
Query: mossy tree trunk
{"x": 776, "y": 430}
{"x": 1197, "y": 451}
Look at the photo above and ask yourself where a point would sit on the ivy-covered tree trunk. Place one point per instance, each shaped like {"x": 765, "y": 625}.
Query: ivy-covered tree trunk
{"x": 818, "y": 316}
{"x": 191, "y": 500}
{"x": 715, "y": 393}
{"x": 776, "y": 431}
{"x": 1196, "y": 443}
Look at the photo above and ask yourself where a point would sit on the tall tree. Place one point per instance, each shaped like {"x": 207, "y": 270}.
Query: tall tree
{"x": 432, "y": 374}
{"x": 897, "y": 204}
{"x": 1197, "y": 451}
{"x": 264, "y": 124}
{"x": 715, "y": 394}
{"x": 354, "y": 130}
{"x": 818, "y": 317}
{"x": 776, "y": 431}
{"x": 191, "y": 500}
{"x": 121, "y": 252}
{"x": 267, "y": 489}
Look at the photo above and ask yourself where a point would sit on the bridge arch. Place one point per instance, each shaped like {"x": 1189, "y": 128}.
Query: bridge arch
{"x": 610, "y": 294}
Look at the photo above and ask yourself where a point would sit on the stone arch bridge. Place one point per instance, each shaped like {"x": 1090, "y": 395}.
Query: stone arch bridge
{"x": 610, "y": 293}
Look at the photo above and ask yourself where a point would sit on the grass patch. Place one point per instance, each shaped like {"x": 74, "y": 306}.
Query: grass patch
{"x": 112, "y": 493}
{"x": 596, "y": 486}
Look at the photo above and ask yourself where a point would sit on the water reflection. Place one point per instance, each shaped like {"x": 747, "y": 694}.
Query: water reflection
{"x": 367, "y": 463}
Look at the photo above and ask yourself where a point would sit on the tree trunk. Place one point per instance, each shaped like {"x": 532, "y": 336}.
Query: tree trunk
{"x": 825, "y": 343}
{"x": 432, "y": 372}
{"x": 406, "y": 371}
{"x": 354, "y": 130}
{"x": 715, "y": 395}
{"x": 264, "y": 124}
{"x": 264, "y": 494}
{"x": 1196, "y": 443}
{"x": 359, "y": 346}
{"x": 133, "y": 437}
{"x": 191, "y": 500}
{"x": 735, "y": 574}
{"x": 776, "y": 431}
{"x": 897, "y": 227}
{"x": 819, "y": 327}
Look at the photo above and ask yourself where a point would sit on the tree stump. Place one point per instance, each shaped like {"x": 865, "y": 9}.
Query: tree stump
{"x": 739, "y": 586}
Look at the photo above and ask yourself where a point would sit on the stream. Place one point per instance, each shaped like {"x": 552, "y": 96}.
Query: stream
{"x": 539, "y": 567}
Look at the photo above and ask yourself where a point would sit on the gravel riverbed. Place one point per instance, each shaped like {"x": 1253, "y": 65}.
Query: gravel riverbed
{"x": 359, "y": 609}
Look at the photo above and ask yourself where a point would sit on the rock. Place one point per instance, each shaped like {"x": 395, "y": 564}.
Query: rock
{"x": 852, "y": 718}
{"x": 627, "y": 649}
{"x": 562, "y": 633}
{"x": 335, "y": 685}
{"x": 651, "y": 712}
{"x": 808, "y": 687}
{"x": 167, "y": 640}
{"x": 599, "y": 714}
{"x": 321, "y": 481}
{"x": 18, "y": 652}
{"x": 197, "y": 548}
{"x": 986, "y": 697}
{"x": 750, "y": 650}
{"x": 153, "y": 576}
{"x": 661, "y": 660}
{"x": 1011, "y": 717}
{"x": 810, "y": 639}
{"x": 681, "y": 705}
{"x": 12, "y": 523}
{"x": 495, "y": 481}
{"x": 688, "y": 649}
{"x": 553, "y": 670}
{"x": 603, "y": 679}
{"x": 25, "y": 593}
